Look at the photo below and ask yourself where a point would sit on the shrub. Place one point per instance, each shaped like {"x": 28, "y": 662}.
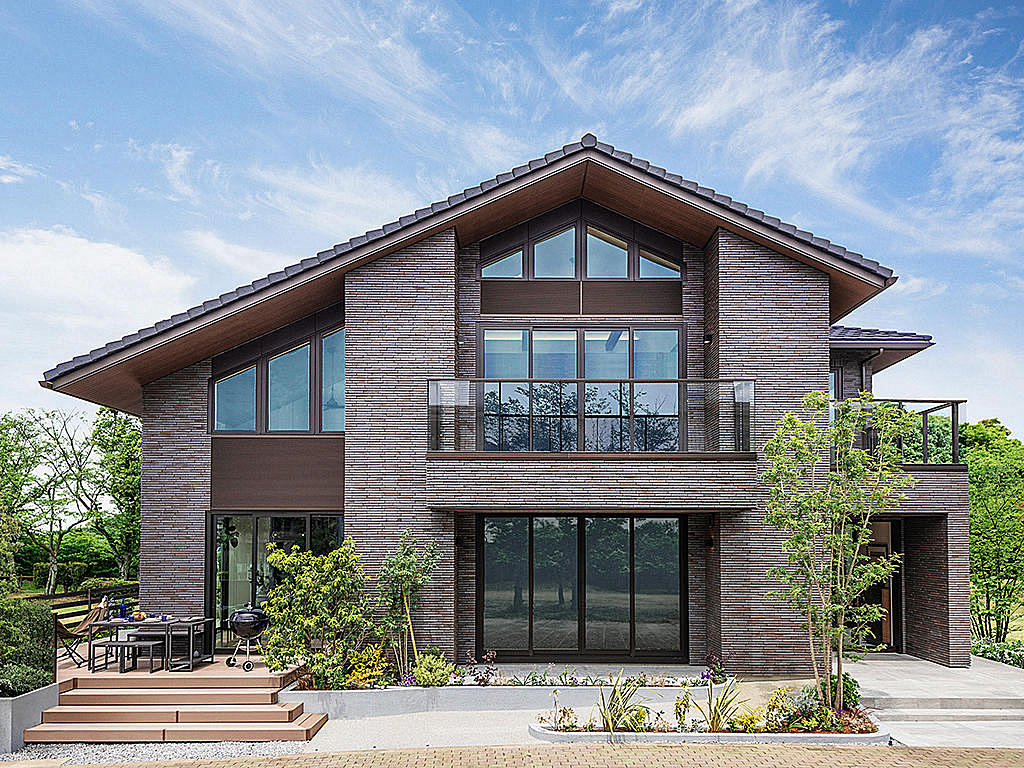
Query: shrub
{"x": 780, "y": 710}
{"x": 750, "y": 721}
{"x": 721, "y": 709}
{"x": 682, "y": 706}
{"x": 1010, "y": 652}
{"x": 69, "y": 575}
{"x": 103, "y": 582}
{"x": 319, "y": 613}
{"x": 16, "y": 679}
{"x": 26, "y": 642}
{"x": 851, "y": 691}
{"x": 623, "y": 710}
{"x": 367, "y": 668}
{"x": 432, "y": 671}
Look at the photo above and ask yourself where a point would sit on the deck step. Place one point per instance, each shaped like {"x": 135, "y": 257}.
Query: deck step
{"x": 185, "y": 680}
{"x": 949, "y": 715}
{"x": 56, "y": 733}
{"x": 301, "y": 729}
{"x": 167, "y": 696}
{"x": 185, "y": 713}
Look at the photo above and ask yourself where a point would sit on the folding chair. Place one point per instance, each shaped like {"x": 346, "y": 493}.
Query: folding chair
{"x": 70, "y": 639}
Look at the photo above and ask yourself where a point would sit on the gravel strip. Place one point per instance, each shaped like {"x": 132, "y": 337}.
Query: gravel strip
{"x": 124, "y": 753}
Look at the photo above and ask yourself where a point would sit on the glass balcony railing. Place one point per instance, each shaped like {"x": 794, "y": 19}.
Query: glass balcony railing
{"x": 935, "y": 438}
{"x": 591, "y": 415}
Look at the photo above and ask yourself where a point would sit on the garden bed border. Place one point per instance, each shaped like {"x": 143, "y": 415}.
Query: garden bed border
{"x": 404, "y": 700}
{"x": 545, "y": 733}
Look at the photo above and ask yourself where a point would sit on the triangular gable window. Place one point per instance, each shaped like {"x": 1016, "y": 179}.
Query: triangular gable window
{"x": 505, "y": 266}
{"x": 654, "y": 266}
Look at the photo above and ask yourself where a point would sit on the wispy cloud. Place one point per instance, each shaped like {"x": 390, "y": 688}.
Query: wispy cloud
{"x": 12, "y": 172}
{"x": 339, "y": 202}
{"x": 913, "y": 286}
{"x": 247, "y": 262}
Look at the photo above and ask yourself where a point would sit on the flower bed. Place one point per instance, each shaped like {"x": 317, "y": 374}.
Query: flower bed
{"x": 1010, "y": 652}
{"x": 625, "y": 711}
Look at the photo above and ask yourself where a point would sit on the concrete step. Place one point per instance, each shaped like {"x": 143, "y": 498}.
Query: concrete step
{"x": 186, "y": 713}
{"x": 946, "y": 715}
{"x": 923, "y": 702}
{"x": 301, "y": 729}
{"x": 166, "y": 696}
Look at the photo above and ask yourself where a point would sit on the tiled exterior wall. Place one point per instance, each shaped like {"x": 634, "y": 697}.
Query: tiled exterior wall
{"x": 773, "y": 325}
{"x": 936, "y": 583}
{"x": 175, "y": 492}
{"x": 400, "y": 332}
{"x": 849, "y": 360}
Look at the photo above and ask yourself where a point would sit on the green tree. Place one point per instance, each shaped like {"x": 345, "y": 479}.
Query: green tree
{"x": 996, "y": 471}
{"x": 118, "y": 441}
{"x": 401, "y": 580}
{"x": 824, "y": 492}
{"x": 23, "y": 483}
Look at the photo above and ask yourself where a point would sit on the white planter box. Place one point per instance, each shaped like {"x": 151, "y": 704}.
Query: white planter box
{"x": 545, "y": 733}
{"x": 400, "y": 700}
{"x": 23, "y": 712}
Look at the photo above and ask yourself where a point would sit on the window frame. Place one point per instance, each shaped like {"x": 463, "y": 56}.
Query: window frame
{"x": 262, "y": 364}
{"x": 524, "y": 238}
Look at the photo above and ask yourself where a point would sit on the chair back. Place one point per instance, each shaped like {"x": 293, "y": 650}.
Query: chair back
{"x": 97, "y": 613}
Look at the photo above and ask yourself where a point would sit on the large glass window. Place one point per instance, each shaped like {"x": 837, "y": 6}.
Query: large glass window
{"x": 555, "y": 256}
{"x": 656, "y": 354}
{"x": 606, "y": 404}
{"x": 506, "y": 354}
{"x": 504, "y": 266}
{"x": 234, "y": 402}
{"x": 554, "y": 403}
{"x": 611, "y": 582}
{"x": 506, "y": 557}
{"x": 555, "y": 615}
{"x": 288, "y": 391}
{"x": 656, "y": 582}
{"x": 332, "y": 382}
{"x": 607, "y": 255}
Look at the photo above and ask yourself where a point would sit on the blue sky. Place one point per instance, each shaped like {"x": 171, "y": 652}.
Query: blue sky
{"x": 155, "y": 153}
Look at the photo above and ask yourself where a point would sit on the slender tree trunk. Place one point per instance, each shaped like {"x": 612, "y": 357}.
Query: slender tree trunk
{"x": 51, "y": 578}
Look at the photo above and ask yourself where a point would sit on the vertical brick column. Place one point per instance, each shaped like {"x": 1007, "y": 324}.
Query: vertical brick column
{"x": 936, "y": 598}
{"x": 175, "y": 492}
{"x": 772, "y": 324}
{"x": 400, "y": 332}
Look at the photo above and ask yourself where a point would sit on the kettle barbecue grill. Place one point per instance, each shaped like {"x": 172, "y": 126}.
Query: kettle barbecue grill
{"x": 248, "y": 624}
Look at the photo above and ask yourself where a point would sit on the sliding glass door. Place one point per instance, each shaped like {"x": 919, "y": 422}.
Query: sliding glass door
{"x": 581, "y": 585}
{"x": 239, "y": 573}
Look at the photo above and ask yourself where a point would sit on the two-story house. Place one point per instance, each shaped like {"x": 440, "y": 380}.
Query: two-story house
{"x": 562, "y": 377}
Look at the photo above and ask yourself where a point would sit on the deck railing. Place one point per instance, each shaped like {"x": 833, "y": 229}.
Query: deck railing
{"x": 591, "y": 415}
{"x": 936, "y": 440}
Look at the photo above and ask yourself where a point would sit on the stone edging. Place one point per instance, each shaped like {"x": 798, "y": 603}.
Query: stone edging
{"x": 544, "y": 733}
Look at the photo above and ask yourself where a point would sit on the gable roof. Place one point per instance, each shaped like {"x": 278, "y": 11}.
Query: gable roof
{"x": 891, "y": 346}
{"x": 586, "y": 168}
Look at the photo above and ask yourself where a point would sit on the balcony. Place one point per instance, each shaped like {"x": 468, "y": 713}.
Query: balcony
{"x": 936, "y": 439}
{"x": 591, "y": 417}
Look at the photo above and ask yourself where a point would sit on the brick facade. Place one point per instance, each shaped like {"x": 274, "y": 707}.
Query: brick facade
{"x": 175, "y": 492}
{"x": 415, "y": 315}
{"x": 400, "y": 332}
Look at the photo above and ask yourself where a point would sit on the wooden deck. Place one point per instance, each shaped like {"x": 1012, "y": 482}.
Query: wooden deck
{"x": 214, "y": 702}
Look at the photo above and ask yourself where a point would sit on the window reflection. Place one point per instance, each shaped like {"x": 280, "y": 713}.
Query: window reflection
{"x": 654, "y": 266}
{"x": 607, "y": 255}
{"x": 234, "y": 402}
{"x": 332, "y": 383}
{"x": 506, "y": 266}
{"x": 506, "y": 583}
{"x": 555, "y": 256}
{"x": 288, "y": 389}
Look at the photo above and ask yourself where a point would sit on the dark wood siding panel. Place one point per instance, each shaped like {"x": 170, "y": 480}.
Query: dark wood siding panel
{"x": 530, "y": 297}
{"x": 278, "y": 473}
{"x": 625, "y": 297}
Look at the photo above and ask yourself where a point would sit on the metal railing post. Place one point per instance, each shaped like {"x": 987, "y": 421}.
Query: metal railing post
{"x": 955, "y": 416}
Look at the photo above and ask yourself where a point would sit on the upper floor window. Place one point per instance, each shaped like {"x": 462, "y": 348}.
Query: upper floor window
{"x": 298, "y": 389}
{"x": 580, "y": 241}
{"x": 234, "y": 401}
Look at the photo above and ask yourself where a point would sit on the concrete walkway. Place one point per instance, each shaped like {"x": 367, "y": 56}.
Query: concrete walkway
{"x": 926, "y": 704}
